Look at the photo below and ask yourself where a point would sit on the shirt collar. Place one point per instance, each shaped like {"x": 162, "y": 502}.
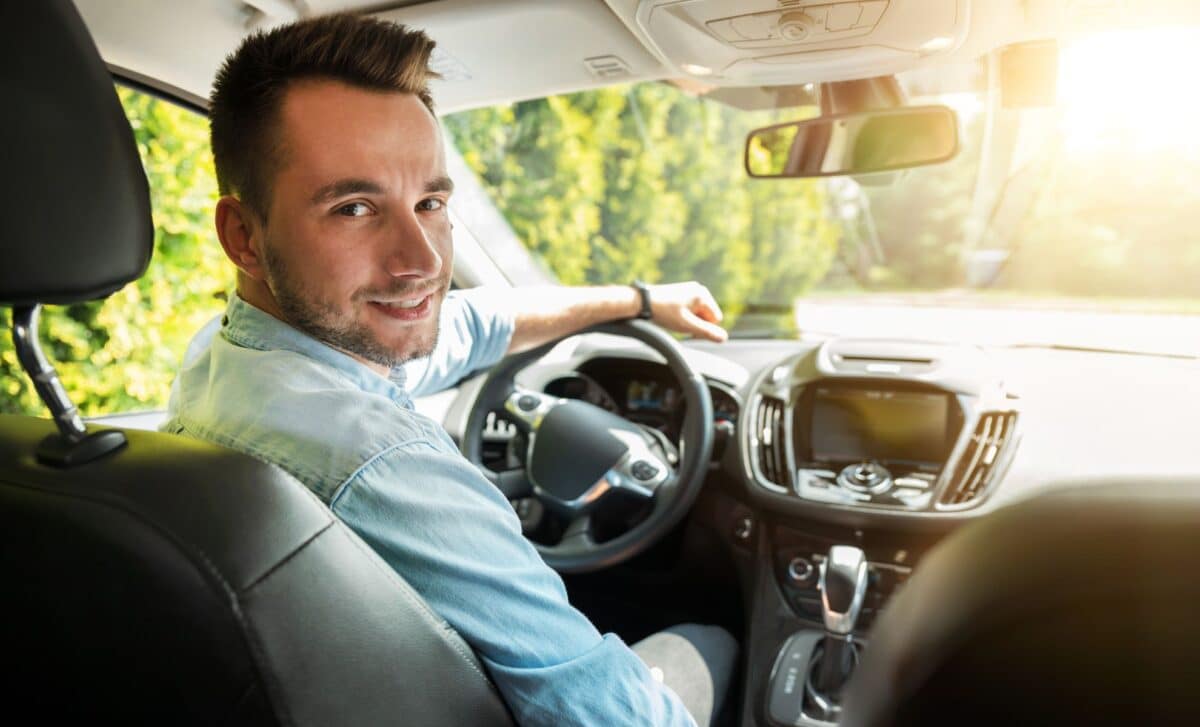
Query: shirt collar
{"x": 247, "y": 326}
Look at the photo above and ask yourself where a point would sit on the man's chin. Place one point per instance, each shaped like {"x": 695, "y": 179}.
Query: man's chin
{"x": 413, "y": 342}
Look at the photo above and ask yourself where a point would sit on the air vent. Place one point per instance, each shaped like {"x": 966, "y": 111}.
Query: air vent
{"x": 607, "y": 67}
{"x": 863, "y": 363}
{"x": 768, "y": 431}
{"x": 889, "y": 359}
{"x": 981, "y": 458}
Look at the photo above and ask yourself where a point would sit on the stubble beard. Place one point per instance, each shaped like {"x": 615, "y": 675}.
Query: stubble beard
{"x": 323, "y": 320}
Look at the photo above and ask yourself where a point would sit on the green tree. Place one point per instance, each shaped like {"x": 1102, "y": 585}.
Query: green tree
{"x": 647, "y": 181}
{"x": 121, "y": 354}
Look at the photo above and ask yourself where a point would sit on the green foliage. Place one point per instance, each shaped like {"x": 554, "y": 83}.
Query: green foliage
{"x": 647, "y": 182}
{"x": 121, "y": 354}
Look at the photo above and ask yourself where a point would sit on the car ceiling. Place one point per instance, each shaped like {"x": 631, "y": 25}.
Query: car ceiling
{"x": 493, "y": 51}
{"x": 490, "y": 51}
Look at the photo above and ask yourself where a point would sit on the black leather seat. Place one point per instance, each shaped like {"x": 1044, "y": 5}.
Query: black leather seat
{"x": 1073, "y": 608}
{"x": 150, "y": 578}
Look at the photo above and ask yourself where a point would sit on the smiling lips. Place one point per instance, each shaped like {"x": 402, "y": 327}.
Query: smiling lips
{"x": 411, "y": 309}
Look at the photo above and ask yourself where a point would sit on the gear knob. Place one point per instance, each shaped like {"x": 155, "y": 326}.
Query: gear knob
{"x": 843, "y": 587}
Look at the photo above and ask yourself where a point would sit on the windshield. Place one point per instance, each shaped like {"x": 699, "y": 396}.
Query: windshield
{"x": 1087, "y": 207}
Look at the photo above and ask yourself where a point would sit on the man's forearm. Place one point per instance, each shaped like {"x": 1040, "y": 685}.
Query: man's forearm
{"x": 547, "y": 313}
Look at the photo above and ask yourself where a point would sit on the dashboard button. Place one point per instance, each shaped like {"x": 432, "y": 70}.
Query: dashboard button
{"x": 800, "y": 571}
{"x": 744, "y": 528}
{"x": 528, "y": 402}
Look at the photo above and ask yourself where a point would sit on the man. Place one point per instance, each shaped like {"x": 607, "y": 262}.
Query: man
{"x": 331, "y": 167}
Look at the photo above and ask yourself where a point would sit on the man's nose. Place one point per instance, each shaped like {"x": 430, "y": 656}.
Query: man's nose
{"x": 412, "y": 252}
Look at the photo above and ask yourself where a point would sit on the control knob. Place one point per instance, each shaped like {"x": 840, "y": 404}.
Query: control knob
{"x": 870, "y": 477}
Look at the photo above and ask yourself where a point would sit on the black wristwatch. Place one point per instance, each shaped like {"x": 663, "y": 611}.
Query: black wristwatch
{"x": 646, "y": 313}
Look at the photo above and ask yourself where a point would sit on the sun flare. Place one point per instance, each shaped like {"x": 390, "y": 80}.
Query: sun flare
{"x": 1131, "y": 89}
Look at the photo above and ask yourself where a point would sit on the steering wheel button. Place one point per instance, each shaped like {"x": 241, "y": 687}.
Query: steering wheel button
{"x": 528, "y": 402}
{"x": 643, "y": 470}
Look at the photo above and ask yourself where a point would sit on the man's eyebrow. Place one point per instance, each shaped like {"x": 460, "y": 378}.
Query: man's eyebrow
{"x": 439, "y": 184}
{"x": 343, "y": 187}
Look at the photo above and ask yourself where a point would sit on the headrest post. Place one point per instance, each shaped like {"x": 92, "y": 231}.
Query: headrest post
{"x": 45, "y": 378}
{"x": 74, "y": 445}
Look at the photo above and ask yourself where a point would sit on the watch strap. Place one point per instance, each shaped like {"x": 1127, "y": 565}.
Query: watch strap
{"x": 646, "y": 312}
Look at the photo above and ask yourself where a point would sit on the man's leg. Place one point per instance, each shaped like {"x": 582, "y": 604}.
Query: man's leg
{"x": 696, "y": 662}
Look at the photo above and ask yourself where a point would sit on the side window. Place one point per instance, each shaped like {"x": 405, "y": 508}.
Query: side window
{"x": 121, "y": 354}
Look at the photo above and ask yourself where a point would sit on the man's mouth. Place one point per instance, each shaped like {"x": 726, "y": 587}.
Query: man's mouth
{"x": 404, "y": 303}
{"x": 409, "y": 309}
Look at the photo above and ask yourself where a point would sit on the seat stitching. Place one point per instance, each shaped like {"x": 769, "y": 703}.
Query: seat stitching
{"x": 287, "y": 558}
{"x": 410, "y": 596}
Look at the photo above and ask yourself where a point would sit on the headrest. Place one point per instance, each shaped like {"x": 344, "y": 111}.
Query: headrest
{"x": 1073, "y": 607}
{"x": 74, "y": 204}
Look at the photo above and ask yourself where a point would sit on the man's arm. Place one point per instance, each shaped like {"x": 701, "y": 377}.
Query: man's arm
{"x": 436, "y": 521}
{"x": 480, "y": 325}
{"x": 546, "y": 313}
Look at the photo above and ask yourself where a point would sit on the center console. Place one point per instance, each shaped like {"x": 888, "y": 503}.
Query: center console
{"x": 813, "y": 667}
{"x": 879, "y": 426}
{"x": 788, "y": 622}
{"x": 844, "y": 447}
{"x": 870, "y": 442}
{"x": 834, "y": 592}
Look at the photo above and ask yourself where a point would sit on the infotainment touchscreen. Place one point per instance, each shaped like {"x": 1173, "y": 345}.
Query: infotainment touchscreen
{"x": 850, "y": 424}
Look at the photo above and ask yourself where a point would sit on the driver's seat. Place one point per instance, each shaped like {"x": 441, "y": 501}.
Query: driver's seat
{"x": 150, "y": 578}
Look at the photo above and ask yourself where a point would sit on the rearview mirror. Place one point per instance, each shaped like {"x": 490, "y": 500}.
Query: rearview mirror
{"x": 857, "y": 143}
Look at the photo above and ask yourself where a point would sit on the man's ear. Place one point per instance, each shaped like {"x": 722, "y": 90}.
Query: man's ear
{"x": 241, "y": 236}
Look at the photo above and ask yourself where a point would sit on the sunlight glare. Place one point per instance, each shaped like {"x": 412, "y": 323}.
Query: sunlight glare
{"x": 1131, "y": 89}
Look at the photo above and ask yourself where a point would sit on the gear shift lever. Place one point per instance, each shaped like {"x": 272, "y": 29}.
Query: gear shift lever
{"x": 843, "y": 587}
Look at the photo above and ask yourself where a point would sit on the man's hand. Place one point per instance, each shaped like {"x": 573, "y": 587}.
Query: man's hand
{"x": 687, "y": 308}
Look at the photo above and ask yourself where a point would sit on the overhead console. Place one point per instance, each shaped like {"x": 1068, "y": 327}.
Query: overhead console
{"x": 750, "y": 42}
{"x": 880, "y": 425}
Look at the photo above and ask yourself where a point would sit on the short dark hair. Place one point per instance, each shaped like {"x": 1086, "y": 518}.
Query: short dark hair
{"x": 249, "y": 90}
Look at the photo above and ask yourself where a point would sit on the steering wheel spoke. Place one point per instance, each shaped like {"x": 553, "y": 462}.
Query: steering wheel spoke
{"x": 528, "y": 408}
{"x": 640, "y": 472}
{"x": 513, "y": 484}
{"x": 577, "y": 537}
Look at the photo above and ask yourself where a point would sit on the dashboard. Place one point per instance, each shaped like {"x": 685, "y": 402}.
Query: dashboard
{"x": 798, "y": 413}
{"x": 848, "y": 426}
{"x": 644, "y": 392}
{"x": 886, "y": 445}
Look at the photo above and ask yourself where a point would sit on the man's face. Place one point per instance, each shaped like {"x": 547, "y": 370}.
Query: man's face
{"x": 357, "y": 247}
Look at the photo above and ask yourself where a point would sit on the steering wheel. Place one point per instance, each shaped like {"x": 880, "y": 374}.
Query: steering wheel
{"x": 580, "y": 455}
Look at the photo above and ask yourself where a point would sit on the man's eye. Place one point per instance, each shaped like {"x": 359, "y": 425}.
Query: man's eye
{"x": 354, "y": 209}
{"x": 433, "y": 204}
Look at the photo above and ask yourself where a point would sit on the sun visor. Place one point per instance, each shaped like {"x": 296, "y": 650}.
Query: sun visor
{"x": 765, "y": 42}
{"x": 74, "y": 204}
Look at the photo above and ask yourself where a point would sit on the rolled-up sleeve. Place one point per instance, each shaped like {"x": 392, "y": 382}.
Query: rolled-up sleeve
{"x": 456, "y": 540}
{"x": 475, "y": 329}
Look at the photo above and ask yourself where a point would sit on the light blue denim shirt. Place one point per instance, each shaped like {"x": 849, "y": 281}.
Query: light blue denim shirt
{"x": 255, "y": 384}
